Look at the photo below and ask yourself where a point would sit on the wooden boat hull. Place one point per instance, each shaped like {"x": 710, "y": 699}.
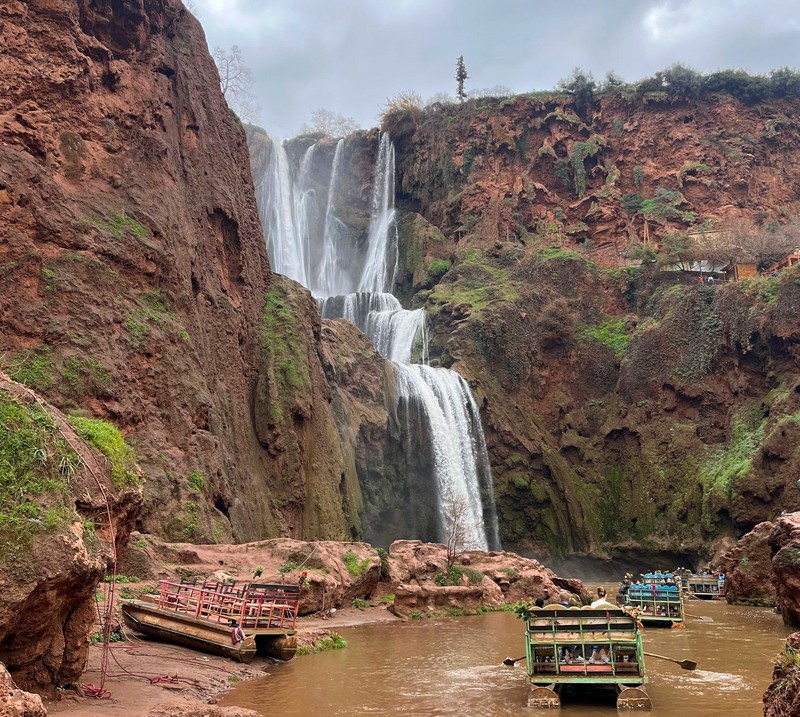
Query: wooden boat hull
{"x": 205, "y": 636}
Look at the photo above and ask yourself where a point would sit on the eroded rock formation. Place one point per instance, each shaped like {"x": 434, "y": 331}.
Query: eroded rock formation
{"x": 782, "y": 698}
{"x": 334, "y": 574}
{"x": 748, "y": 569}
{"x": 58, "y": 495}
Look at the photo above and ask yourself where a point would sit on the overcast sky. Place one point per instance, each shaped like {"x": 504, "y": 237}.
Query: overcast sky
{"x": 349, "y": 56}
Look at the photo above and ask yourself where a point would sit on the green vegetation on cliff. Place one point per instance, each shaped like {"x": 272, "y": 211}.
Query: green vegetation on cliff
{"x": 282, "y": 350}
{"x": 107, "y": 439}
{"x": 735, "y": 461}
{"x": 612, "y": 333}
{"x": 36, "y": 464}
{"x": 34, "y": 369}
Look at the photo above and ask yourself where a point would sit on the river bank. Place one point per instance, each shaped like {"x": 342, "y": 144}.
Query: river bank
{"x": 343, "y": 585}
{"x": 187, "y": 683}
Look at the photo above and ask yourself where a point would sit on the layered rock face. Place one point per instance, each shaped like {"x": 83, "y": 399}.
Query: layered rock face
{"x": 64, "y": 511}
{"x": 133, "y": 248}
{"x": 134, "y": 280}
{"x": 625, "y": 409}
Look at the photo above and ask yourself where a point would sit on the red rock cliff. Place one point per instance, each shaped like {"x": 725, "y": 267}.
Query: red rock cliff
{"x": 134, "y": 283}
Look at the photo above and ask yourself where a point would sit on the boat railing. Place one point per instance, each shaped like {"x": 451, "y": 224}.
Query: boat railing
{"x": 255, "y": 606}
{"x": 656, "y": 578}
{"x": 570, "y": 643}
{"x": 657, "y": 602}
{"x": 711, "y": 584}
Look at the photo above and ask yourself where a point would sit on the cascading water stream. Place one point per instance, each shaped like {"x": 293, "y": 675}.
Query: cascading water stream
{"x": 435, "y": 405}
{"x": 331, "y": 279}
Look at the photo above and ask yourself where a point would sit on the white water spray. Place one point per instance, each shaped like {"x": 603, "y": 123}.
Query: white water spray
{"x": 355, "y": 285}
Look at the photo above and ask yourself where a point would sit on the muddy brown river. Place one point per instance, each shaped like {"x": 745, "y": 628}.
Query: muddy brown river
{"x": 453, "y": 667}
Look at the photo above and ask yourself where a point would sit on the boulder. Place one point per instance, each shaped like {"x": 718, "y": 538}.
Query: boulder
{"x": 16, "y": 703}
{"x": 412, "y": 562}
{"x": 748, "y": 569}
{"x": 784, "y": 543}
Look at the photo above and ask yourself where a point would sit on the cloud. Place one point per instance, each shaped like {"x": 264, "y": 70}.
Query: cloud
{"x": 349, "y": 56}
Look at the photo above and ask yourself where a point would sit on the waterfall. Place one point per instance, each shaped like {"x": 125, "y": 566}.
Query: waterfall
{"x": 331, "y": 280}
{"x": 395, "y": 332}
{"x": 304, "y": 206}
{"x": 435, "y": 405}
{"x": 441, "y": 399}
{"x": 381, "y": 261}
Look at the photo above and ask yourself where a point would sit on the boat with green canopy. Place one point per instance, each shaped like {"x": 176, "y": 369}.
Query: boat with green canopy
{"x": 657, "y": 604}
{"x": 587, "y": 649}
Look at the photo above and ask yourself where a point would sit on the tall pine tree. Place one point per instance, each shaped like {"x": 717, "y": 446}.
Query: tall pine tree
{"x": 461, "y": 75}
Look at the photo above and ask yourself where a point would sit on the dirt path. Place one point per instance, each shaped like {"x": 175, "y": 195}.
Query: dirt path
{"x": 190, "y": 680}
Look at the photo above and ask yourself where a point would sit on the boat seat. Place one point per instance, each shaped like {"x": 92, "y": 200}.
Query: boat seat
{"x": 581, "y": 667}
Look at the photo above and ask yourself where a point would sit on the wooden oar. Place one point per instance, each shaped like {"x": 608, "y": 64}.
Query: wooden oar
{"x": 685, "y": 664}
{"x": 702, "y": 618}
{"x": 512, "y": 660}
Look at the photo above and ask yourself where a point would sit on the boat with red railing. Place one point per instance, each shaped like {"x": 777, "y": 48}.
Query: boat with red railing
{"x": 238, "y": 621}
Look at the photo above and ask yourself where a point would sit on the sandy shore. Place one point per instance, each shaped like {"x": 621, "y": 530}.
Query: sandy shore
{"x": 187, "y": 680}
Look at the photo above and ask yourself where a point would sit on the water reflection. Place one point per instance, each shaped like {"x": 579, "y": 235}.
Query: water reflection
{"x": 453, "y": 667}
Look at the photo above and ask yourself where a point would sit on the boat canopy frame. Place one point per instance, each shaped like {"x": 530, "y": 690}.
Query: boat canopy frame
{"x": 256, "y": 607}
{"x": 657, "y": 603}
{"x": 551, "y": 629}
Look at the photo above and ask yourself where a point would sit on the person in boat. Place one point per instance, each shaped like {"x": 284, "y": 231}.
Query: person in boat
{"x": 602, "y": 600}
{"x": 600, "y": 652}
{"x": 622, "y": 593}
{"x": 237, "y": 634}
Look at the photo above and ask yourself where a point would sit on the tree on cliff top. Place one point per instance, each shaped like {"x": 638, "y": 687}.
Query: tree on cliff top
{"x": 742, "y": 240}
{"x": 330, "y": 124}
{"x": 461, "y": 75}
{"x": 236, "y": 82}
{"x": 582, "y": 87}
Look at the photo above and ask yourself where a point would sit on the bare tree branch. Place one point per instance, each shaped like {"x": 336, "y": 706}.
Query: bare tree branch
{"x": 329, "y": 123}
{"x": 458, "y": 527}
{"x": 236, "y": 82}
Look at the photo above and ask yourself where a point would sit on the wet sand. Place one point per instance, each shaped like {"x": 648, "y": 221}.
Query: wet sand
{"x": 195, "y": 679}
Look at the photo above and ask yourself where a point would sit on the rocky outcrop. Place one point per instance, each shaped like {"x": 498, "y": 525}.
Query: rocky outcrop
{"x": 134, "y": 281}
{"x": 57, "y": 498}
{"x": 423, "y": 581}
{"x": 334, "y": 574}
{"x": 16, "y": 703}
{"x": 748, "y": 569}
{"x": 784, "y": 542}
{"x": 782, "y": 698}
{"x": 625, "y": 407}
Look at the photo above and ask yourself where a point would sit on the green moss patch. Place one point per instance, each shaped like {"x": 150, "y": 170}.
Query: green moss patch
{"x": 117, "y": 223}
{"x": 354, "y": 566}
{"x": 34, "y": 369}
{"x": 107, "y": 439}
{"x": 282, "y": 350}
{"x": 612, "y": 333}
